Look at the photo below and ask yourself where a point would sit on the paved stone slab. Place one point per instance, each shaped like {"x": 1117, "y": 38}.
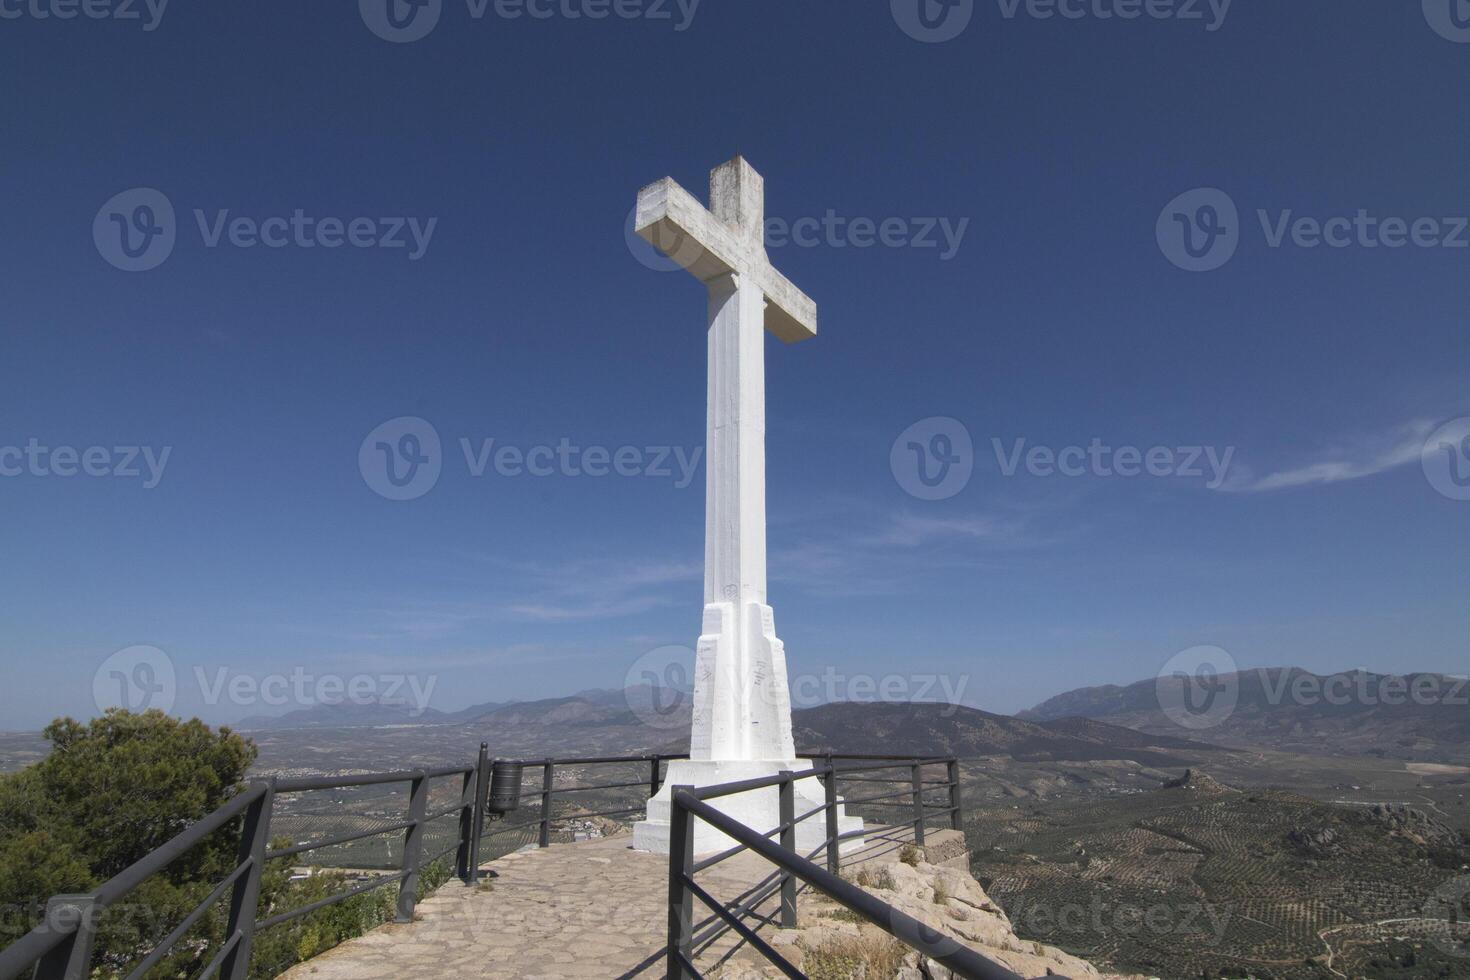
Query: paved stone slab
{"x": 591, "y": 909}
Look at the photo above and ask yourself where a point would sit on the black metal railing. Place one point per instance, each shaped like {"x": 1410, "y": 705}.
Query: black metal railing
{"x": 548, "y": 794}
{"x": 689, "y": 804}
{"x": 62, "y": 946}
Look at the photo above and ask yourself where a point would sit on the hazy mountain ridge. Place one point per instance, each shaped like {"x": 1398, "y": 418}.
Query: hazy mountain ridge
{"x": 1412, "y": 717}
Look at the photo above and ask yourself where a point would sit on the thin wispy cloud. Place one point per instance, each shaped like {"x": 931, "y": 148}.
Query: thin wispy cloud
{"x": 596, "y": 589}
{"x": 888, "y": 554}
{"x": 1359, "y": 458}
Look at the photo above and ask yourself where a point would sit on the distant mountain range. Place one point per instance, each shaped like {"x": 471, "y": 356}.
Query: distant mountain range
{"x": 1413, "y": 717}
{"x": 641, "y": 719}
{"x": 941, "y": 729}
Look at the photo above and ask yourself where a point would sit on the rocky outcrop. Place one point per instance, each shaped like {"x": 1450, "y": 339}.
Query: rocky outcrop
{"x": 833, "y": 942}
{"x": 1198, "y": 782}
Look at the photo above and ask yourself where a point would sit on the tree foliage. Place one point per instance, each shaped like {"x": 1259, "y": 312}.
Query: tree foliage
{"x": 120, "y": 786}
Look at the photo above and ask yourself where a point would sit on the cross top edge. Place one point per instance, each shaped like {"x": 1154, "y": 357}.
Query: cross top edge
{"x": 737, "y": 196}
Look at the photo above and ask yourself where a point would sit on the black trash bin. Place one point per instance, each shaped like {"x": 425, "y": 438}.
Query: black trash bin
{"x": 505, "y": 787}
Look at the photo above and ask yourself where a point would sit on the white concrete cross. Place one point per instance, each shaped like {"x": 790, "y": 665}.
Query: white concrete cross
{"x": 742, "y": 706}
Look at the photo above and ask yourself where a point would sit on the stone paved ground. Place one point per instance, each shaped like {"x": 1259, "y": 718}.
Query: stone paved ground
{"x": 592, "y": 909}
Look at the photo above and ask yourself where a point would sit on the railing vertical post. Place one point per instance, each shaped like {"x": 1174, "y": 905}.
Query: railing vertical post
{"x": 255, "y": 835}
{"x": 788, "y": 842}
{"x": 834, "y": 859}
{"x": 482, "y": 779}
{"x": 72, "y": 960}
{"x": 681, "y": 900}
{"x": 545, "y": 839}
{"x": 466, "y": 826}
{"x": 956, "y": 814}
{"x": 413, "y": 848}
{"x": 653, "y": 777}
{"x": 918, "y": 772}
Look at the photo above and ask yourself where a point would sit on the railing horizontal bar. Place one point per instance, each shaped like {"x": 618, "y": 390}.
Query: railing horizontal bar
{"x": 306, "y": 784}
{"x": 449, "y": 771}
{"x": 334, "y": 841}
{"x": 219, "y": 957}
{"x": 441, "y": 814}
{"x": 873, "y": 831}
{"x": 448, "y": 850}
{"x": 599, "y": 813}
{"x": 746, "y": 933}
{"x": 609, "y": 760}
{"x": 155, "y": 861}
{"x": 959, "y": 958}
{"x": 922, "y": 760}
{"x": 749, "y": 901}
{"x": 507, "y": 828}
{"x": 276, "y": 920}
{"x": 559, "y": 790}
{"x": 746, "y": 785}
{"x": 879, "y": 796}
{"x": 715, "y": 859}
{"x": 18, "y": 958}
{"x": 871, "y": 779}
{"x": 163, "y": 948}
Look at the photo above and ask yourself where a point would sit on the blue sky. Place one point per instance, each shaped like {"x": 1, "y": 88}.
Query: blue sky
{"x": 1060, "y": 317}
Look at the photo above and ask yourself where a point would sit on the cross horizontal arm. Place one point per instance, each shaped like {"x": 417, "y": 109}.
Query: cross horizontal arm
{"x": 673, "y": 221}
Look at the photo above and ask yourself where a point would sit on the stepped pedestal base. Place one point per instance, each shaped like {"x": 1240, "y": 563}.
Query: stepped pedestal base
{"x": 758, "y": 809}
